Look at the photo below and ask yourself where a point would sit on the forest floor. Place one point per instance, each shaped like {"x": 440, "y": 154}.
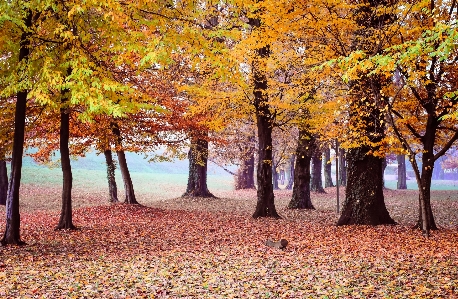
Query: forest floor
{"x": 212, "y": 248}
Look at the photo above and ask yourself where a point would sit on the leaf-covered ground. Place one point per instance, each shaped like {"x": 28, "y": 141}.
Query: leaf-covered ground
{"x": 212, "y": 248}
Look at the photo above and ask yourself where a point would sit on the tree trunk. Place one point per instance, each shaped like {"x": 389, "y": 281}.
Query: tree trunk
{"x": 112, "y": 187}
{"x": 245, "y": 173}
{"x": 327, "y": 168}
{"x": 65, "y": 221}
{"x": 317, "y": 182}
{"x": 274, "y": 174}
{"x": 301, "y": 190}
{"x": 265, "y": 205}
{"x": 425, "y": 216}
{"x": 13, "y": 218}
{"x": 128, "y": 186}
{"x": 342, "y": 168}
{"x": 197, "y": 178}
{"x": 289, "y": 186}
{"x": 3, "y": 182}
{"x": 384, "y": 165}
{"x": 364, "y": 202}
{"x": 402, "y": 173}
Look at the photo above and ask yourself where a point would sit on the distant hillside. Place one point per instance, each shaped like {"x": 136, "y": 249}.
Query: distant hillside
{"x": 135, "y": 162}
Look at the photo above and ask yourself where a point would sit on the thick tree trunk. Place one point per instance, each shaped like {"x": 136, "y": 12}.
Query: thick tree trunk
{"x": 317, "y": 182}
{"x": 327, "y": 168}
{"x": 65, "y": 221}
{"x": 402, "y": 173}
{"x": 265, "y": 205}
{"x": 197, "y": 178}
{"x": 245, "y": 174}
{"x": 13, "y": 218}
{"x": 3, "y": 182}
{"x": 301, "y": 190}
{"x": 128, "y": 186}
{"x": 112, "y": 187}
{"x": 290, "y": 184}
{"x": 342, "y": 168}
{"x": 364, "y": 202}
{"x": 274, "y": 174}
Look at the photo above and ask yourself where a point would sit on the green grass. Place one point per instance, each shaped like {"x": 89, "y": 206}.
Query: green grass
{"x": 94, "y": 179}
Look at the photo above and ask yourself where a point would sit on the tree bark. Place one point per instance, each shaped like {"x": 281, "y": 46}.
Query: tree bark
{"x": 128, "y": 186}
{"x": 289, "y": 186}
{"x": 245, "y": 173}
{"x": 327, "y": 168}
{"x": 364, "y": 202}
{"x": 112, "y": 187}
{"x": 317, "y": 181}
{"x": 65, "y": 221}
{"x": 265, "y": 205}
{"x": 3, "y": 182}
{"x": 13, "y": 218}
{"x": 342, "y": 168}
{"x": 301, "y": 190}
{"x": 197, "y": 178}
{"x": 402, "y": 173}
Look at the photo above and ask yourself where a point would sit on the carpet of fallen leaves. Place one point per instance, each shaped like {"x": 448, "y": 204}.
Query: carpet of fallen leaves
{"x": 212, "y": 248}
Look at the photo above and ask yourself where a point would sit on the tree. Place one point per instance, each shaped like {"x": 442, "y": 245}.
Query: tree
{"x": 316, "y": 181}
{"x": 112, "y": 187}
{"x": 292, "y": 160}
{"x": 12, "y": 230}
{"x": 327, "y": 168}
{"x": 197, "y": 178}
{"x": 402, "y": 173}
{"x": 422, "y": 97}
{"x": 364, "y": 202}
{"x": 301, "y": 190}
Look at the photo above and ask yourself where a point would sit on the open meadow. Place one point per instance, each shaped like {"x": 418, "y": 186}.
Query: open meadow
{"x": 171, "y": 247}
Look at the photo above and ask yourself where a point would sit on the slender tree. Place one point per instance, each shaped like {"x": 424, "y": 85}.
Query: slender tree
{"x": 66, "y": 218}
{"x": 402, "y": 173}
{"x": 13, "y": 219}
{"x": 112, "y": 187}
{"x": 327, "y": 168}
{"x": 128, "y": 185}
{"x": 316, "y": 180}
{"x": 292, "y": 159}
